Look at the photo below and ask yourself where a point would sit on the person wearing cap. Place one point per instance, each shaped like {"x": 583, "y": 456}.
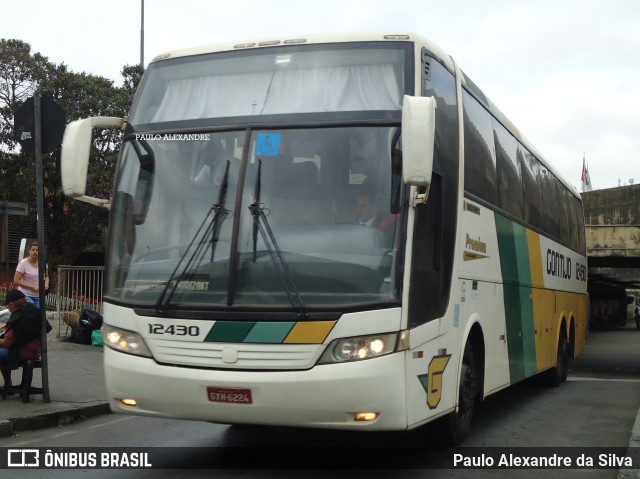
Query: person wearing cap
{"x": 21, "y": 340}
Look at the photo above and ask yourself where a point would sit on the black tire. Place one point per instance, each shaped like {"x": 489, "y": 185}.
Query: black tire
{"x": 558, "y": 374}
{"x": 458, "y": 424}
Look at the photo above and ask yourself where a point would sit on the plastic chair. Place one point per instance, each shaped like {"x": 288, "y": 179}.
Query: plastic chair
{"x": 25, "y": 390}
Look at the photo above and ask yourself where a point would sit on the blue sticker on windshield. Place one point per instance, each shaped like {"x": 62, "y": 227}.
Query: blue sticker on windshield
{"x": 268, "y": 144}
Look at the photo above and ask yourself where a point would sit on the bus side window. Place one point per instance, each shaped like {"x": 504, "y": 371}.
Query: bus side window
{"x": 552, "y": 212}
{"x": 426, "y": 271}
{"x": 564, "y": 218}
{"x": 530, "y": 182}
{"x": 509, "y": 178}
{"x": 581, "y": 241}
{"x": 479, "y": 151}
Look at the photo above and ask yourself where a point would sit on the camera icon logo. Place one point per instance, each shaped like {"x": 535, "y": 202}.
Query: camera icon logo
{"x": 23, "y": 458}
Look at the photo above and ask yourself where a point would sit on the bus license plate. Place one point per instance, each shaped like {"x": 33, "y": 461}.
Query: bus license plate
{"x": 229, "y": 395}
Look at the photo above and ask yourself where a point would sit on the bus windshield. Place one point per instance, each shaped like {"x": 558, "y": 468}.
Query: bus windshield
{"x": 296, "y": 219}
{"x": 323, "y": 78}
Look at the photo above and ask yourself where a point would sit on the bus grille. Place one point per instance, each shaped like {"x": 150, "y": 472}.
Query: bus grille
{"x": 235, "y": 355}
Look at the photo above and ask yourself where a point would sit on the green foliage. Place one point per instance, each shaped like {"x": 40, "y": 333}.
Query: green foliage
{"x": 72, "y": 226}
{"x": 20, "y": 73}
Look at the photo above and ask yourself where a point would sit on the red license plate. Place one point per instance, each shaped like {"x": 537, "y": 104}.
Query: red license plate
{"x": 230, "y": 395}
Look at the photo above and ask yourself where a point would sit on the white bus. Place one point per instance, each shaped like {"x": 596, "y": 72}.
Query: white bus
{"x": 241, "y": 286}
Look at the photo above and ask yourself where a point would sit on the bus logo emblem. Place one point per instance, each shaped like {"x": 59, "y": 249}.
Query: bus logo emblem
{"x": 432, "y": 381}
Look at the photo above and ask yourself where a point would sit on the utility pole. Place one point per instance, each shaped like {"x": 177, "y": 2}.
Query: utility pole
{"x": 40, "y": 227}
{"x": 40, "y": 124}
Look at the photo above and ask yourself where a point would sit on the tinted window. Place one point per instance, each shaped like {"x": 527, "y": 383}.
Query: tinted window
{"x": 480, "y": 163}
{"x": 564, "y": 219}
{"x": 531, "y": 185}
{"x": 550, "y": 198}
{"x": 574, "y": 223}
{"x": 582, "y": 245}
{"x": 508, "y": 170}
{"x": 440, "y": 84}
{"x": 431, "y": 264}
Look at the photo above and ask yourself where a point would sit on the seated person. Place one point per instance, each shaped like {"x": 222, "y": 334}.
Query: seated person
{"x": 366, "y": 210}
{"x": 21, "y": 340}
{"x": 367, "y": 214}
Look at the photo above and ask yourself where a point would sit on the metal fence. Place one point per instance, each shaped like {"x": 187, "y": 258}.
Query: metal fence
{"x": 77, "y": 288}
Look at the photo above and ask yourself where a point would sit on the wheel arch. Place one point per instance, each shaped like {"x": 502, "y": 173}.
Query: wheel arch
{"x": 476, "y": 339}
{"x": 571, "y": 337}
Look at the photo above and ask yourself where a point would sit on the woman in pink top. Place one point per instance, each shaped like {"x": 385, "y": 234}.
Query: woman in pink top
{"x": 26, "y": 278}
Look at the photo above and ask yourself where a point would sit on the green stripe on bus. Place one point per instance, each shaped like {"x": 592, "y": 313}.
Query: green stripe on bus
{"x": 518, "y": 308}
{"x": 289, "y": 332}
{"x": 273, "y": 333}
{"x": 229, "y": 331}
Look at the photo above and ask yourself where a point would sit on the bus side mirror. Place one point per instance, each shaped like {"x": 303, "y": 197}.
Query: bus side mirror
{"x": 76, "y": 147}
{"x": 418, "y": 140}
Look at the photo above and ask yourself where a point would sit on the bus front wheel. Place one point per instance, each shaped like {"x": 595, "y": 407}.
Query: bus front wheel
{"x": 458, "y": 423}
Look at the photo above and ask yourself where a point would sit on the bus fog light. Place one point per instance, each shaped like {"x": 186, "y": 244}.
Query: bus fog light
{"x": 365, "y": 416}
{"x": 129, "y": 402}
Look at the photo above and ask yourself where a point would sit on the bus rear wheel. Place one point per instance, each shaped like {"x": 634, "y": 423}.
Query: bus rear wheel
{"x": 458, "y": 424}
{"x": 557, "y": 375}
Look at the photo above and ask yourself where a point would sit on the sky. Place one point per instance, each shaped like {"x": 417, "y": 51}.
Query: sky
{"x": 565, "y": 72}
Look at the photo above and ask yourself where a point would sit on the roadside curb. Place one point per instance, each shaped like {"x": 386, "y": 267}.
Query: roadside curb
{"x": 54, "y": 419}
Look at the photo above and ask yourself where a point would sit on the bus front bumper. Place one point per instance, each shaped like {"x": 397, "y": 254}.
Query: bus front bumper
{"x": 326, "y": 396}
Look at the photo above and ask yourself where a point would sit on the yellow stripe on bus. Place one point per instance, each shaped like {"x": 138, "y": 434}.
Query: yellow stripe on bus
{"x": 543, "y": 302}
{"x": 535, "y": 259}
{"x": 309, "y": 332}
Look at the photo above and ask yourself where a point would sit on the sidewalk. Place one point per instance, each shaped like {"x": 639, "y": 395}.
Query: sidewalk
{"x": 76, "y": 387}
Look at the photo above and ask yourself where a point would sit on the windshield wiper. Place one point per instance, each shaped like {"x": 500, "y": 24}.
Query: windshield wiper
{"x": 212, "y": 230}
{"x": 260, "y": 224}
{"x": 221, "y": 213}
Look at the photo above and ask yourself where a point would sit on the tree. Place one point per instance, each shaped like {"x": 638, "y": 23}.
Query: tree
{"x": 72, "y": 226}
{"x": 20, "y": 74}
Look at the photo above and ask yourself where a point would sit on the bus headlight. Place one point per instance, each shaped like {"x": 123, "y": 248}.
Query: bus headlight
{"x": 359, "y": 348}
{"x": 124, "y": 341}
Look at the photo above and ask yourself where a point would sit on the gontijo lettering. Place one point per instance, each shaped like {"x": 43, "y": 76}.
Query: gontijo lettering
{"x": 558, "y": 264}
{"x": 581, "y": 272}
